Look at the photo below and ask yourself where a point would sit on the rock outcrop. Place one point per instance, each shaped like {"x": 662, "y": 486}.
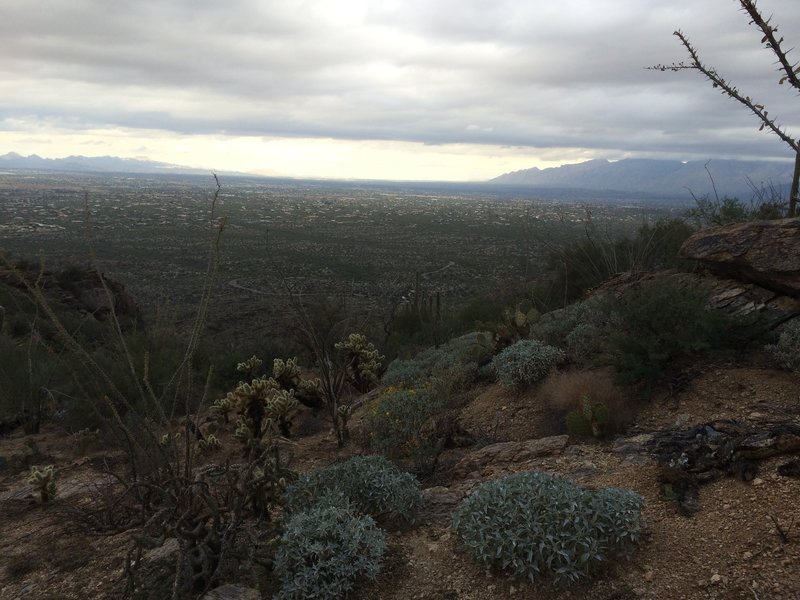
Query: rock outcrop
{"x": 501, "y": 455}
{"x": 766, "y": 253}
{"x": 730, "y": 295}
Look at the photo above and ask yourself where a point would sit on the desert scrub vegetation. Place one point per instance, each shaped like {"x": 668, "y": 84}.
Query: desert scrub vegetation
{"x": 664, "y": 319}
{"x": 585, "y": 403}
{"x": 580, "y": 329}
{"x": 785, "y": 352}
{"x": 331, "y": 539}
{"x": 537, "y": 526}
{"x": 456, "y": 362}
{"x": 399, "y": 424}
{"x": 583, "y": 264}
{"x": 325, "y": 550}
{"x": 371, "y": 485}
{"x": 29, "y": 372}
{"x": 525, "y": 363}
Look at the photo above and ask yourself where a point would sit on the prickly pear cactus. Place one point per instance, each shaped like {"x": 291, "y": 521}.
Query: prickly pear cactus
{"x": 589, "y": 420}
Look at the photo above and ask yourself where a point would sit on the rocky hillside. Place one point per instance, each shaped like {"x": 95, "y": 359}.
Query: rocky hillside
{"x": 713, "y": 451}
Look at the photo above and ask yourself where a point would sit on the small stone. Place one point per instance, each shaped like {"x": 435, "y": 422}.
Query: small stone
{"x": 747, "y": 555}
{"x": 681, "y": 420}
{"x": 726, "y": 507}
{"x": 512, "y": 590}
{"x": 648, "y": 576}
{"x": 716, "y": 578}
{"x": 758, "y": 481}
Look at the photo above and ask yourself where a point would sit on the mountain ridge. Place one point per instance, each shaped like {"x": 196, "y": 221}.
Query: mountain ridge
{"x": 99, "y": 164}
{"x": 655, "y": 176}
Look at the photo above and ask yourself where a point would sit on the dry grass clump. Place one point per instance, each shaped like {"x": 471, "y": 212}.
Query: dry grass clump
{"x": 584, "y": 403}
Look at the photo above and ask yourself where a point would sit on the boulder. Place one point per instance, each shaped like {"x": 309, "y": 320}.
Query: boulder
{"x": 766, "y": 253}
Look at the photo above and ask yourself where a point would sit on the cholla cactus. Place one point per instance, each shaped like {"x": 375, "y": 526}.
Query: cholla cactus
{"x": 44, "y": 482}
{"x": 222, "y": 407}
{"x": 286, "y": 373}
{"x": 169, "y": 438}
{"x": 244, "y": 431}
{"x": 281, "y": 407}
{"x": 85, "y": 439}
{"x": 363, "y": 360}
{"x": 210, "y": 444}
{"x": 250, "y": 366}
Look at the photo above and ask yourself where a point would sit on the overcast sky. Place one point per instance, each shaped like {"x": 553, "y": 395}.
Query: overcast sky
{"x": 397, "y": 89}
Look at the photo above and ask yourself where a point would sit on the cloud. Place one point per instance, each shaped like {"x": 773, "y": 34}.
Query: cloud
{"x": 566, "y": 75}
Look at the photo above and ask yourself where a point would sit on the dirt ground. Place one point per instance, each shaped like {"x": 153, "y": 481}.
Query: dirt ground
{"x": 731, "y": 549}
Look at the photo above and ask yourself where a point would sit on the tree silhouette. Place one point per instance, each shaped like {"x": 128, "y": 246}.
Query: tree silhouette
{"x": 788, "y": 74}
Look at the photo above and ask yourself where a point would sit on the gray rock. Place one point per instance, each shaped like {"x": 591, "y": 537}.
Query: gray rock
{"x": 508, "y": 453}
{"x": 760, "y": 252}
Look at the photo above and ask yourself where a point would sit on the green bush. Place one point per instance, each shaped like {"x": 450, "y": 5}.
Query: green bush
{"x": 525, "y": 363}
{"x": 664, "y": 319}
{"x": 371, "y": 484}
{"x": 536, "y": 526}
{"x": 324, "y": 552}
{"x": 786, "y": 351}
{"x": 398, "y": 425}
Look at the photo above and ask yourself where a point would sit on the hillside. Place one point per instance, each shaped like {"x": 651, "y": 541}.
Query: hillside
{"x": 658, "y": 386}
{"x": 664, "y": 177}
{"x": 728, "y": 550}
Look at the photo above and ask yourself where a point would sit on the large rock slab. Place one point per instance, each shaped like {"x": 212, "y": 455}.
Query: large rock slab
{"x": 732, "y": 296}
{"x": 504, "y": 454}
{"x": 763, "y": 252}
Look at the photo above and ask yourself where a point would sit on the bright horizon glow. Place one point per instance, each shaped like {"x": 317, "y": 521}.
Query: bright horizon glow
{"x": 290, "y": 157}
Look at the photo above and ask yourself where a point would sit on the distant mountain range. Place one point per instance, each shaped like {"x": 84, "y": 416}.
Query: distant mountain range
{"x": 661, "y": 177}
{"x": 96, "y": 164}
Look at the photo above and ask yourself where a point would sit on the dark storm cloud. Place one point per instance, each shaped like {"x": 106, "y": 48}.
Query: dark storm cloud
{"x": 507, "y": 72}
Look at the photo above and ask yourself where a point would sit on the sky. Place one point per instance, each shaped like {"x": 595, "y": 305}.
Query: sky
{"x": 460, "y": 90}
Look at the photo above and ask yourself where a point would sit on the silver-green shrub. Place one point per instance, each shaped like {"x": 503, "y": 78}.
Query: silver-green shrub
{"x": 458, "y": 359}
{"x": 526, "y": 362}
{"x": 786, "y": 352}
{"x": 580, "y": 328}
{"x": 536, "y": 526}
{"x": 371, "y": 485}
{"x": 325, "y": 550}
